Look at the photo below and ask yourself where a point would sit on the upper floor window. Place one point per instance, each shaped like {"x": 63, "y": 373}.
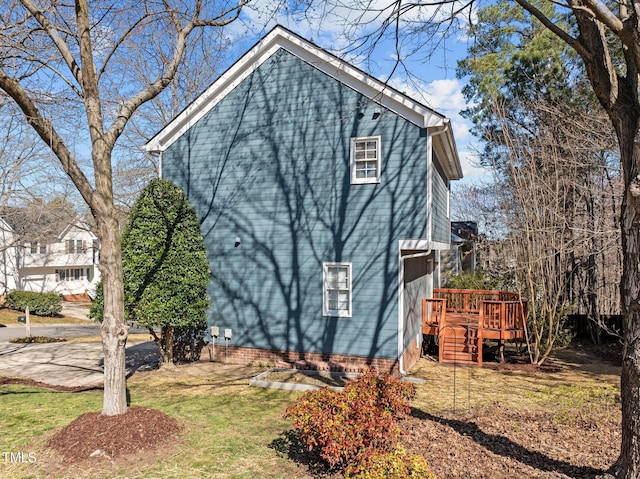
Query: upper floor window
{"x": 37, "y": 247}
{"x": 75, "y": 246}
{"x": 365, "y": 160}
{"x": 336, "y": 294}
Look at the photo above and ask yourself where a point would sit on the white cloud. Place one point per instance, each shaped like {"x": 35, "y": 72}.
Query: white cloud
{"x": 470, "y": 168}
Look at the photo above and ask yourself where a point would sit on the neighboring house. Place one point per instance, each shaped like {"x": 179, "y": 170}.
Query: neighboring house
{"x": 8, "y": 258}
{"x": 323, "y": 198}
{"x": 462, "y": 257}
{"x": 56, "y": 258}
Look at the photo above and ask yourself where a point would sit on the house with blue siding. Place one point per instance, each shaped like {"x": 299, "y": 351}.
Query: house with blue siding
{"x": 323, "y": 197}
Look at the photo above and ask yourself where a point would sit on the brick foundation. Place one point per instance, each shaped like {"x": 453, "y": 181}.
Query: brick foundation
{"x": 298, "y": 360}
{"x": 77, "y": 298}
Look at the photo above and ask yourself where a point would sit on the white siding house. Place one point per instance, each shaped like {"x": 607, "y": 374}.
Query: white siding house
{"x": 65, "y": 264}
{"x": 8, "y": 258}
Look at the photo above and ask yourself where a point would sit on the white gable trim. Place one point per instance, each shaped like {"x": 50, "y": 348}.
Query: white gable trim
{"x": 331, "y": 65}
{"x": 81, "y": 225}
{"x": 4, "y": 226}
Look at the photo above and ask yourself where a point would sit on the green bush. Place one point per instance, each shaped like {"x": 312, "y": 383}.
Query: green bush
{"x": 166, "y": 270}
{"x": 396, "y": 464}
{"x": 347, "y": 427}
{"x": 477, "y": 280}
{"x": 40, "y": 304}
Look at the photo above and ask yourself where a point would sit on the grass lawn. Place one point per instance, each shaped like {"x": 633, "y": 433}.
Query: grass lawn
{"x": 229, "y": 427}
{"x": 10, "y": 317}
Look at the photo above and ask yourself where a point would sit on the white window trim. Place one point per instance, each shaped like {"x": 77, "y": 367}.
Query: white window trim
{"x": 364, "y": 181}
{"x": 325, "y": 296}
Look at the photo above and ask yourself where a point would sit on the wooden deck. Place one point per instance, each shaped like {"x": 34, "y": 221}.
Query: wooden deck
{"x": 463, "y": 319}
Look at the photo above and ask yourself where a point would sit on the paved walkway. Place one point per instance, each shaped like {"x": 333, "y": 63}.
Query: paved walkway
{"x": 69, "y": 364}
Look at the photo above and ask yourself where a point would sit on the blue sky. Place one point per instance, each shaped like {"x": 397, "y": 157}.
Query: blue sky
{"x": 431, "y": 81}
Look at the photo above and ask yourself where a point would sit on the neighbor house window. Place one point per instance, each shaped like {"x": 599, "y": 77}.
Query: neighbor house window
{"x": 75, "y": 246}
{"x": 337, "y": 291}
{"x": 365, "y": 160}
{"x": 70, "y": 274}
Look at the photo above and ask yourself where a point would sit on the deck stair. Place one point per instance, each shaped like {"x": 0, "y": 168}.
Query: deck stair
{"x": 462, "y": 319}
{"x": 460, "y": 344}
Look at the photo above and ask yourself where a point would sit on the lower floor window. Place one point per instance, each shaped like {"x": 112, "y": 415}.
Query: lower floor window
{"x": 72, "y": 274}
{"x": 337, "y": 289}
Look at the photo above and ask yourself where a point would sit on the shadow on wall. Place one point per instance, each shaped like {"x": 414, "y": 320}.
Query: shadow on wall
{"x": 271, "y": 184}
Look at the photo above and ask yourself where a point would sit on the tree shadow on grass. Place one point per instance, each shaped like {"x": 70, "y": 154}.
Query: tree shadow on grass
{"x": 288, "y": 444}
{"x": 503, "y": 446}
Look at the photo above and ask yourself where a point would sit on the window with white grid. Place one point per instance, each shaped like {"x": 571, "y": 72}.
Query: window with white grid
{"x": 336, "y": 294}
{"x": 365, "y": 160}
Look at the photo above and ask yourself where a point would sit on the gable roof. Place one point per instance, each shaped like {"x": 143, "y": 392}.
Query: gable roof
{"x": 40, "y": 224}
{"x": 280, "y": 37}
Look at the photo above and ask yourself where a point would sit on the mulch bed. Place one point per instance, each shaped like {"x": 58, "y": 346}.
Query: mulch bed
{"x": 51, "y": 387}
{"x": 94, "y": 436}
{"x": 507, "y": 444}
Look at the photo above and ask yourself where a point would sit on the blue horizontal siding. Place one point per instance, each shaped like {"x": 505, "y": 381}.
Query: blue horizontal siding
{"x": 270, "y": 164}
{"x": 441, "y": 226}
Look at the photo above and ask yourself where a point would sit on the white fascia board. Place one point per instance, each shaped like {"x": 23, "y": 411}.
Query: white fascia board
{"x": 439, "y": 245}
{"x": 445, "y": 144}
{"x": 421, "y": 245}
{"x": 279, "y": 37}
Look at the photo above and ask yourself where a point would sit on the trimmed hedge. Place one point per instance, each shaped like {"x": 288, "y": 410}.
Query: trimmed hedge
{"x": 40, "y": 304}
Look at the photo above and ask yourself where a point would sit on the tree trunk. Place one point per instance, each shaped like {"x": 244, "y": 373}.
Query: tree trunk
{"x": 114, "y": 330}
{"x": 167, "y": 337}
{"x": 164, "y": 342}
{"x": 629, "y": 290}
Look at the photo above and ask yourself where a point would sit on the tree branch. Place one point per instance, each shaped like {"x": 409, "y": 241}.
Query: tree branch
{"x": 559, "y": 32}
{"x": 57, "y": 40}
{"x": 45, "y": 130}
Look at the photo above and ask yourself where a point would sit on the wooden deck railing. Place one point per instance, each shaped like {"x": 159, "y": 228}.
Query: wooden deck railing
{"x": 434, "y": 315}
{"x": 498, "y": 315}
{"x": 468, "y": 300}
{"x": 502, "y": 315}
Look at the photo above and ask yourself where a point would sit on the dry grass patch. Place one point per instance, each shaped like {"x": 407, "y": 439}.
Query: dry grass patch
{"x": 10, "y": 317}
{"x": 132, "y": 338}
{"x": 567, "y": 379}
{"x": 201, "y": 377}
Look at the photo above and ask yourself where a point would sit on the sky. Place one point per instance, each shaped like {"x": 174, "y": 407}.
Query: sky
{"x": 431, "y": 81}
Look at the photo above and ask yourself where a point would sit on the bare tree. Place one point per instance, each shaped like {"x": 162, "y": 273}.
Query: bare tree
{"x": 606, "y": 36}
{"x": 544, "y": 198}
{"x": 61, "y": 60}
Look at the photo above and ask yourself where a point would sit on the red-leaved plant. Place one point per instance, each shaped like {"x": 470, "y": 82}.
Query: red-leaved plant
{"x": 346, "y": 427}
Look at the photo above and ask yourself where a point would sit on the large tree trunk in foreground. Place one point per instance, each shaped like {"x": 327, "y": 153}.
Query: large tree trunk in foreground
{"x": 629, "y": 463}
{"x": 114, "y": 329}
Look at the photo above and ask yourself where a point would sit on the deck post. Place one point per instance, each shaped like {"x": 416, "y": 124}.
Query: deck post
{"x": 503, "y": 319}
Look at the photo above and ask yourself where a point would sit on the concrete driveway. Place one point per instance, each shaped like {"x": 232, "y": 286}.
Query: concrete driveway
{"x": 69, "y": 364}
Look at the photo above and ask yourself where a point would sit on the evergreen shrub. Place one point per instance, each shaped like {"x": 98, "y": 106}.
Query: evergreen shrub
{"x": 40, "y": 304}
